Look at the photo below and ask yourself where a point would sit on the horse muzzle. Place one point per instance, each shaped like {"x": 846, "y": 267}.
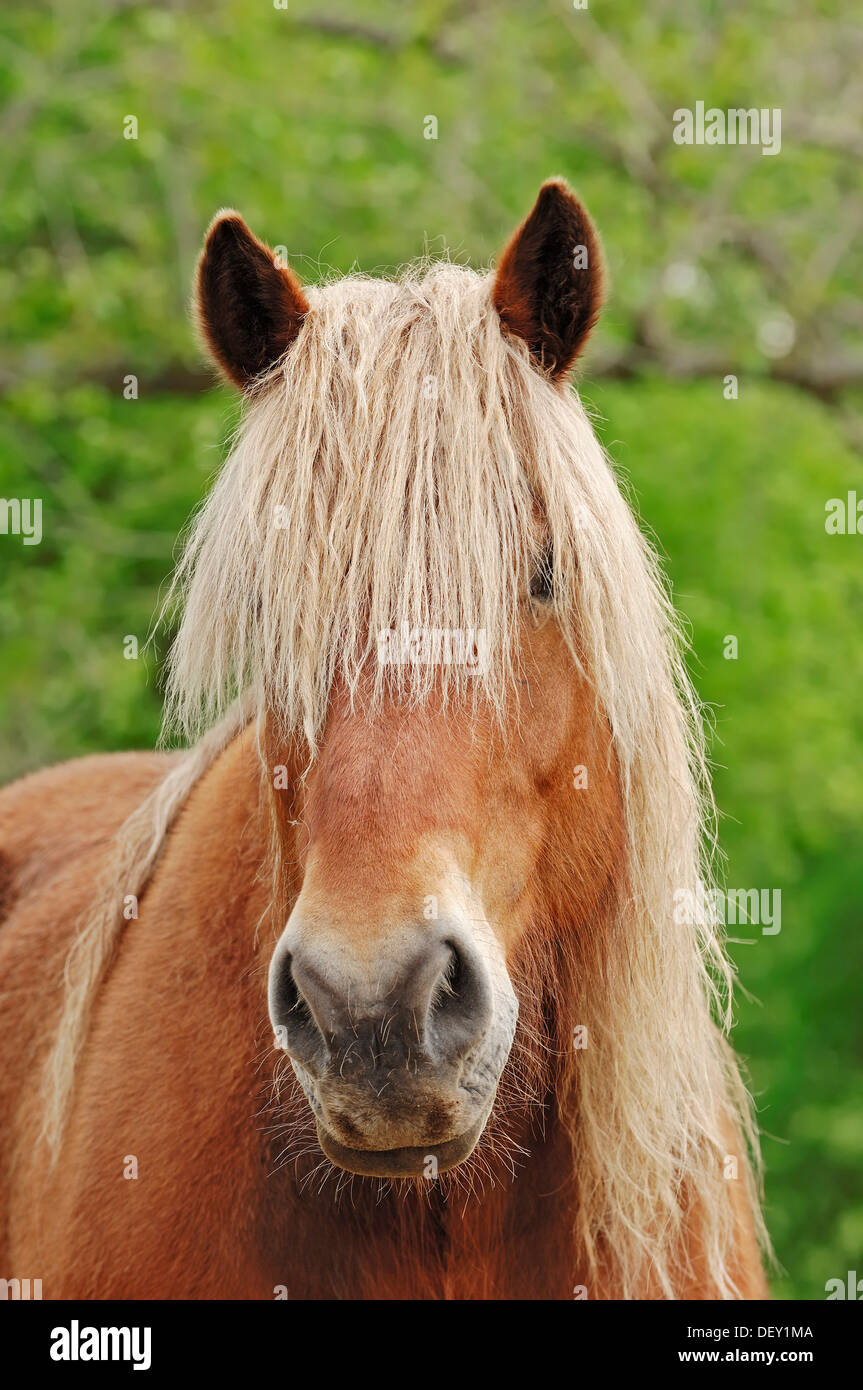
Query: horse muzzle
{"x": 398, "y": 1040}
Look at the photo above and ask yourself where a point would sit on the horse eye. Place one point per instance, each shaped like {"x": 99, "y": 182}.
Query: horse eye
{"x": 542, "y": 583}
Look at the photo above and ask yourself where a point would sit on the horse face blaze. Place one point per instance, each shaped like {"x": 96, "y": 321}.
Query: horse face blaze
{"x": 424, "y": 830}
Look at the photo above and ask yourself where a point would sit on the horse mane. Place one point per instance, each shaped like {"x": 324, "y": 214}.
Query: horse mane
{"x": 390, "y": 470}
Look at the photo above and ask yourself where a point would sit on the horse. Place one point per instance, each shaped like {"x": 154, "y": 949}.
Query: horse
{"x": 378, "y": 987}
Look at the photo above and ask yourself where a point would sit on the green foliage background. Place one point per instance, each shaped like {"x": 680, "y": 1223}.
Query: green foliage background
{"x": 310, "y": 120}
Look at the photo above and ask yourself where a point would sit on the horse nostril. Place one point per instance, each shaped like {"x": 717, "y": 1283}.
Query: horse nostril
{"x": 460, "y": 1009}
{"x": 301, "y": 1036}
{"x": 446, "y": 986}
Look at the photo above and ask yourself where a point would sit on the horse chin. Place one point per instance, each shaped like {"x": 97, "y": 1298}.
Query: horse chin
{"x": 415, "y": 1162}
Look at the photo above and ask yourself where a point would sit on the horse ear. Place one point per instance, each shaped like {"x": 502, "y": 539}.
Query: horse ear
{"x": 549, "y": 283}
{"x": 250, "y": 307}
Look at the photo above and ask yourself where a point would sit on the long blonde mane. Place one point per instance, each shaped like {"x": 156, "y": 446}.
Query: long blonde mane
{"x": 390, "y": 470}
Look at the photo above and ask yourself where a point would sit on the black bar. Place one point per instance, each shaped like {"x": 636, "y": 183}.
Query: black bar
{"x": 255, "y": 1339}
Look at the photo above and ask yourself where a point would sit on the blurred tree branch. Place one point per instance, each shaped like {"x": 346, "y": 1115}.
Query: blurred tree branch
{"x": 387, "y": 40}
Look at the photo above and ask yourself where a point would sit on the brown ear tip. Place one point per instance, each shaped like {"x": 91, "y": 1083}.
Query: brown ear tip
{"x": 226, "y": 215}
{"x": 226, "y": 220}
{"x": 557, "y": 192}
{"x": 556, "y": 186}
